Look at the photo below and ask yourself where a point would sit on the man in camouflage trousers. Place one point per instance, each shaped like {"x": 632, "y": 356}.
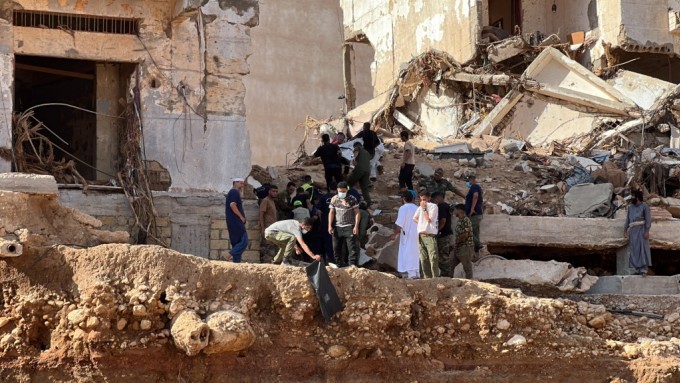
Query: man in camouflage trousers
{"x": 464, "y": 248}
{"x": 437, "y": 183}
{"x": 445, "y": 235}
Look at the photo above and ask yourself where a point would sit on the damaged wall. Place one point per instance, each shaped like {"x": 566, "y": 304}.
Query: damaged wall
{"x": 401, "y": 29}
{"x": 191, "y": 69}
{"x": 296, "y": 71}
{"x": 570, "y": 16}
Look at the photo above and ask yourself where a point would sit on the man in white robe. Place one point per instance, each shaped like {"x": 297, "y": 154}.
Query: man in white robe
{"x": 408, "y": 261}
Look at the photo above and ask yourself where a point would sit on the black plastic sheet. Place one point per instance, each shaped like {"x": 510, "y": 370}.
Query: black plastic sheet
{"x": 329, "y": 302}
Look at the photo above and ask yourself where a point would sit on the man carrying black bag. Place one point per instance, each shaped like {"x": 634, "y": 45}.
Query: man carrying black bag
{"x": 329, "y": 302}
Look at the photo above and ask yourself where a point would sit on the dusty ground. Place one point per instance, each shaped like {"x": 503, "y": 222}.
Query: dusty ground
{"x": 391, "y": 329}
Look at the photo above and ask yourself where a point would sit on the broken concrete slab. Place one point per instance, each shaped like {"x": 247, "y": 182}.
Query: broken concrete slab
{"x": 643, "y": 90}
{"x": 588, "y": 200}
{"x": 576, "y": 99}
{"x": 572, "y": 233}
{"x": 461, "y": 147}
{"x": 550, "y": 275}
{"x": 673, "y": 206}
{"x": 637, "y": 285}
{"x": 29, "y": 183}
{"x": 506, "y": 49}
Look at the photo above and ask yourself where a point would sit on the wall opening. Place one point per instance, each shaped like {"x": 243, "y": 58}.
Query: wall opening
{"x": 64, "y": 93}
{"x": 359, "y": 76}
{"x": 505, "y": 14}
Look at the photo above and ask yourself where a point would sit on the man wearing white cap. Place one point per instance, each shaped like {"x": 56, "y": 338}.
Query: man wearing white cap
{"x": 236, "y": 221}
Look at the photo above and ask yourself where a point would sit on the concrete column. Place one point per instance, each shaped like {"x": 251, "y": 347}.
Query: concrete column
{"x": 6, "y": 83}
{"x": 622, "y": 258}
{"x": 108, "y": 93}
{"x": 347, "y": 66}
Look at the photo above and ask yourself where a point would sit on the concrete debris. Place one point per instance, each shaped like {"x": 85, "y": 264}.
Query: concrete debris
{"x": 424, "y": 169}
{"x": 381, "y": 247}
{"x": 506, "y": 49}
{"x": 589, "y": 200}
{"x": 551, "y": 275}
{"x": 29, "y": 183}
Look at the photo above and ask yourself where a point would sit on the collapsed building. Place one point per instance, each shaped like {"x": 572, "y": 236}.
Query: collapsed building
{"x": 581, "y": 94}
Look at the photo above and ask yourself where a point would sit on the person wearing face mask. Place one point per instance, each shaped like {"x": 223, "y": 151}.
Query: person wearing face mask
{"x": 343, "y": 224}
{"x": 638, "y": 223}
{"x": 287, "y": 236}
{"x": 324, "y": 209}
{"x": 474, "y": 208}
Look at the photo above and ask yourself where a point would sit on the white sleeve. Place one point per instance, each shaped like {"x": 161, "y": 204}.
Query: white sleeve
{"x": 433, "y": 212}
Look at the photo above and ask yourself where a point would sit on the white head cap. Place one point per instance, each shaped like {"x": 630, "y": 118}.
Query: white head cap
{"x": 239, "y": 179}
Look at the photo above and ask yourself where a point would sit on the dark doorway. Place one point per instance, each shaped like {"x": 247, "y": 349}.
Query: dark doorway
{"x": 42, "y": 80}
{"x": 505, "y": 14}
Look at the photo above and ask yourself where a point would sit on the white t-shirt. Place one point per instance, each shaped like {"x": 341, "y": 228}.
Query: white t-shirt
{"x": 289, "y": 226}
{"x": 408, "y": 145}
{"x": 424, "y": 226}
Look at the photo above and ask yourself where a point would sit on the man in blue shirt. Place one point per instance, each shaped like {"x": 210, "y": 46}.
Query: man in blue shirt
{"x": 474, "y": 208}
{"x": 236, "y": 222}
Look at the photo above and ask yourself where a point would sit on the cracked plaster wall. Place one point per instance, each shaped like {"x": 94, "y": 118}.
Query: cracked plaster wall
{"x": 199, "y": 47}
{"x": 296, "y": 71}
{"x": 638, "y": 25}
{"x": 401, "y": 29}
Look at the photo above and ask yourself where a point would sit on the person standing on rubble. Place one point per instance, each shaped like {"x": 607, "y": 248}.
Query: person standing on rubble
{"x": 474, "y": 208}
{"x": 370, "y": 138}
{"x": 408, "y": 162}
{"x": 330, "y": 157}
{"x": 445, "y": 235}
{"x": 268, "y": 214}
{"x": 361, "y": 172}
{"x": 284, "y": 202}
{"x": 408, "y": 261}
{"x": 462, "y": 252}
{"x": 638, "y": 223}
{"x": 287, "y": 236}
{"x": 437, "y": 183}
{"x": 343, "y": 224}
{"x": 236, "y": 222}
{"x": 324, "y": 208}
{"x": 427, "y": 218}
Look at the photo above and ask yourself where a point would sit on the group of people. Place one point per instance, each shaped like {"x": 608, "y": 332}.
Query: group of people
{"x": 428, "y": 244}
{"x": 308, "y": 224}
{"x": 334, "y": 225}
{"x": 303, "y": 221}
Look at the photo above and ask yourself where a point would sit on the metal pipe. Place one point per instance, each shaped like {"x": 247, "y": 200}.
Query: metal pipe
{"x": 10, "y": 249}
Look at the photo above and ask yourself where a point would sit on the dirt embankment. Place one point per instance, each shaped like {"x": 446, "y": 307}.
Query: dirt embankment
{"x": 106, "y": 314}
{"x": 93, "y": 312}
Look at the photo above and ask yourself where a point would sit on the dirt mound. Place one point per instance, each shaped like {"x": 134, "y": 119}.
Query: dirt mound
{"x": 81, "y": 314}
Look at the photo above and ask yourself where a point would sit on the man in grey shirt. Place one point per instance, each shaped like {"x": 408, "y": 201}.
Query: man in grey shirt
{"x": 343, "y": 224}
{"x": 285, "y": 234}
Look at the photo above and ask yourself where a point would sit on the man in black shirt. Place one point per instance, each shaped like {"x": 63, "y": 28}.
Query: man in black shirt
{"x": 330, "y": 156}
{"x": 445, "y": 235}
{"x": 371, "y": 140}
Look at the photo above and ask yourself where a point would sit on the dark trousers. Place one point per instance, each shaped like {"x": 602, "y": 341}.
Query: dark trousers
{"x": 346, "y": 247}
{"x": 332, "y": 172}
{"x": 406, "y": 177}
{"x": 363, "y": 178}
